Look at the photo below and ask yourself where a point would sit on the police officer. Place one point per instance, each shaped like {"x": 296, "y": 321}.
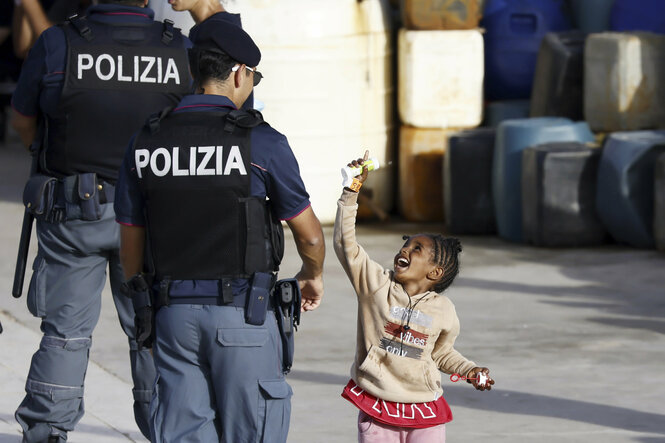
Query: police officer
{"x": 202, "y": 175}
{"x": 205, "y": 10}
{"x": 85, "y": 88}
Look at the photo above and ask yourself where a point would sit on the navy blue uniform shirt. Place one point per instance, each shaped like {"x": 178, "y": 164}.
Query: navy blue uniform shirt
{"x": 274, "y": 173}
{"x": 42, "y": 76}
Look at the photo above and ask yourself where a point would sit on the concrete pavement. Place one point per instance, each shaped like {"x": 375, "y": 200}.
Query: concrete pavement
{"x": 575, "y": 339}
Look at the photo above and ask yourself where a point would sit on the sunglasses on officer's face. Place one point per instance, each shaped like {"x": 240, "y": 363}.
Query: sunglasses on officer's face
{"x": 257, "y": 75}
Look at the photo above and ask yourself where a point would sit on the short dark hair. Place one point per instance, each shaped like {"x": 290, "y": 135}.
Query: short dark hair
{"x": 138, "y": 3}
{"x": 445, "y": 254}
{"x": 209, "y": 65}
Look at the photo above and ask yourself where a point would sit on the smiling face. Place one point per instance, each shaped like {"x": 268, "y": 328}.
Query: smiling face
{"x": 414, "y": 266}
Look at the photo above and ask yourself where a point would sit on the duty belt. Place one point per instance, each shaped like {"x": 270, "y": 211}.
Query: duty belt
{"x": 225, "y": 297}
{"x": 104, "y": 189}
{"x": 76, "y": 197}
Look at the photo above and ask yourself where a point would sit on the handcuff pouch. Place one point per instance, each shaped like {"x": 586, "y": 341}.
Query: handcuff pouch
{"x": 258, "y": 298}
{"x": 91, "y": 208}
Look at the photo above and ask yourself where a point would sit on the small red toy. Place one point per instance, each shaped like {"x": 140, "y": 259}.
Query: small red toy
{"x": 482, "y": 378}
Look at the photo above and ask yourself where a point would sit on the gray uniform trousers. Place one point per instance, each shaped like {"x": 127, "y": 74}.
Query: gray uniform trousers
{"x": 218, "y": 378}
{"x": 69, "y": 274}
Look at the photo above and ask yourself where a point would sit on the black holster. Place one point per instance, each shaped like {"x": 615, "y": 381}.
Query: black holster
{"x": 287, "y": 311}
{"x": 40, "y": 197}
{"x": 138, "y": 290}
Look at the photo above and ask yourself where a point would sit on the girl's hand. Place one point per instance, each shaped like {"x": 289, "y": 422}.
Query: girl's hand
{"x": 358, "y": 163}
{"x": 478, "y": 381}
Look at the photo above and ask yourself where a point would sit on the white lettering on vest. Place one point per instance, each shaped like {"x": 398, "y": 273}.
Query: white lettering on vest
{"x": 141, "y": 158}
{"x": 209, "y": 151}
{"x": 171, "y": 72}
{"x": 146, "y": 69}
{"x": 234, "y": 162}
{"x": 85, "y": 62}
{"x": 167, "y": 162}
{"x": 192, "y": 161}
{"x": 122, "y": 78}
{"x": 98, "y": 67}
{"x": 176, "y": 164}
{"x": 200, "y": 161}
{"x": 218, "y": 161}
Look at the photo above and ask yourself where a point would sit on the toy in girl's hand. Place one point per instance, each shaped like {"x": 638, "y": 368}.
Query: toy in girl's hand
{"x": 355, "y": 173}
{"x": 348, "y": 172}
{"x": 482, "y": 379}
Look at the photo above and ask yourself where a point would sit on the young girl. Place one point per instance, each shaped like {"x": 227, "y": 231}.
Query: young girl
{"x": 405, "y": 333}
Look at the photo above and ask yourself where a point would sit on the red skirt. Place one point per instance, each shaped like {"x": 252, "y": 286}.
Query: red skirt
{"x": 407, "y": 415}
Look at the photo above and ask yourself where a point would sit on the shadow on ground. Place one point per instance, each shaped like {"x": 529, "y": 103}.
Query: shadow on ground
{"x": 522, "y": 403}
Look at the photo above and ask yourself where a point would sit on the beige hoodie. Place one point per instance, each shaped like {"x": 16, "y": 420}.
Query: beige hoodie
{"x": 390, "y": 363}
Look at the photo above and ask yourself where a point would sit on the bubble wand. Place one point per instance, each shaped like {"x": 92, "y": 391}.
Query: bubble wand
{"x": 482, "y": 378}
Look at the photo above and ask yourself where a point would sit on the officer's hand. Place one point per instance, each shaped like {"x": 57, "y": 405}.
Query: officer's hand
{"x": 143, "y": 323}
{"x": 311, "y": 290}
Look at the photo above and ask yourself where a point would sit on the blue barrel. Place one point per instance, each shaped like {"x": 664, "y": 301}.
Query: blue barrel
{"x": 513, "y": 31}
{"x": 558, "y": 86}
{"x": 638, "y": 15}
{"x": 559, "y": 195}
{"x": 625, "y": 197}
{"x": 512, "y": 137}
{"x": 467, "y": 182}
{"x": 659, "y": 203}
{"x": 591, "y": 15}
{"x": 496, "y": 112}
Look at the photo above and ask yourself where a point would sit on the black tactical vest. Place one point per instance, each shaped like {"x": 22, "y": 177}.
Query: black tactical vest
{"x": 194, "y": 174}
{"x": 116, "y": 76}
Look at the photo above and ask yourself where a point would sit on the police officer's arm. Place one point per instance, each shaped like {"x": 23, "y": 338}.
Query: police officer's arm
{"x": 311, "y": 247}
{"x": 132, "y": 242}
{"x": 25, "y": 126}
{"x": 29, "y": 22}
{"x": 128, "y": 206}
{"x": 26, "y": 97}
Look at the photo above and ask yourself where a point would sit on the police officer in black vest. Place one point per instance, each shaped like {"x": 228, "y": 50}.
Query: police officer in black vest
{"x": 85, "y": 88}
{"x": 202, "y": 189}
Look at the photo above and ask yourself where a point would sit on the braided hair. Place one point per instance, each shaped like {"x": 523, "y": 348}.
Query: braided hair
{"x": 445, "y": 254}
